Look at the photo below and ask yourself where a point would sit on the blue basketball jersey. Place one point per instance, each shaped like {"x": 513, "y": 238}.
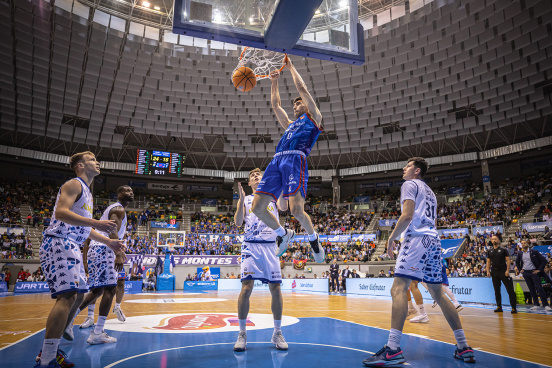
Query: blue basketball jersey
{"x": 300, "y": 135}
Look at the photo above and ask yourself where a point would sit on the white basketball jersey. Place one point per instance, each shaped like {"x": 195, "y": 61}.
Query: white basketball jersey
{"x": 255, "y": 230}
{"x": 82, "y": 207}
{"x": 105, "y": 216}
{"x": 425, "y": 210}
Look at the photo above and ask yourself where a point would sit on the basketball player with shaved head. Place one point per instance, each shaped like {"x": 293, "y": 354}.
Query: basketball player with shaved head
{"x": 258, "y": 261}
{"x": 287, "y": 173}
{"x": 419, "y": 259}
{"x": 60, "y": 255}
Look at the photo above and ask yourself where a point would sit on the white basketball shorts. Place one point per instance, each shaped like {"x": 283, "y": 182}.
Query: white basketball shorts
{"x": 420, "y": 259}
{"x": 259, "y": 262}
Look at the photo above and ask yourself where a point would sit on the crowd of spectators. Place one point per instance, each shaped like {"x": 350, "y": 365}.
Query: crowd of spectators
{"x": 14, "y": 246}
{"x": 195, "y": 244}
{"x": 332, "y": 221}
{"x": 352, "y": 251}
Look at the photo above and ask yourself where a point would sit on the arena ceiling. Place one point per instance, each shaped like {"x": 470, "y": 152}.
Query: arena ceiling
{"x": 442, "y": 77}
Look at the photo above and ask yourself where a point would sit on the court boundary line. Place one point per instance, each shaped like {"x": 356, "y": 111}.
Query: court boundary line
{"x": 230, "y": 343}
{"x": 26, "y": 337}
{"x": 444, "y": 342}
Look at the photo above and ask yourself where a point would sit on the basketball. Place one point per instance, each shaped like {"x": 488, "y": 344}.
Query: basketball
{"x": 244, "y": 79}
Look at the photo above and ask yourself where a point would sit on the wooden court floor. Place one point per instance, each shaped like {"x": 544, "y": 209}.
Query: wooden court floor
{"x": 523, "y": 336}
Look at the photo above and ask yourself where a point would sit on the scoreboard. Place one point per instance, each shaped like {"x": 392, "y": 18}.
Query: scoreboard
{"x": 159, "y": 163}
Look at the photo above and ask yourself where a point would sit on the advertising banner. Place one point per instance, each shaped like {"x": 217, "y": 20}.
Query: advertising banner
{"x": 12, "y": 230}
{"x": 487, "y": 229}
{"x": 202, "y": 285}
{"x": 137, "y": 184}
{"x": 133, "y": 287}
{"x": 365, "y": 185}
{"x": 336, "y": 238}
{"x": 384, "y": 184}
{"x": 215, "y": 272}
{"x": 453, "y": 232}
{"x": 466, "y": 289}
{"x": 202, "y": 188}
{"x": 363, "y": 199}
{"x": 31, "y": 287}
{"x": 450, "y": 246}
{"x": 171, "y": 187}
{"x": 465, "y": 175}
{"x": 442, "y": 178}
{"x": 151, "y": 260}
{"x": 44, "y": 174}
{"x": 3, "y": 287}
{"x": 209, "y": 202}
{"x": 536, "y": 227}
{"x": 399, "y": 183}
{"x": 318, "y": 285}
{"x": 543, "y": 249}
{"x": 455, "y": 190}
{"x": 314, "y": 188}
{"x": 388, "y": 222}
{"x": 163, "y": 225}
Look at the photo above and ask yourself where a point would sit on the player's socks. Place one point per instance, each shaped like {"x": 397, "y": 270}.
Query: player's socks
{"x": 394, "y": 340}
{"x": 421, "y": 309}
{"x": 91, "y": 308}
{"x": 117, "y": 305}
{"x": 449, "y": 293}
{"x": 100, "y": 324}
{"x": 312, "y": 236}
{"x": 243, "y": 323}
{"x": 277, "y": 325}
{"x": 280, "y": 231}
{"x": 460, "y": 339}
{"x": 49, "y": 350}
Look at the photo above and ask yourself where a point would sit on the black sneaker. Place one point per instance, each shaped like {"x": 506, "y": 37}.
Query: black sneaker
{"x": 498, "y": 310}
{"x": 283, "y": 242}
{"x": 465, "y": 354}
{"x": 385, "y": 357}
{"x": 514, "y": 311}
{"x": 317, "y": 251}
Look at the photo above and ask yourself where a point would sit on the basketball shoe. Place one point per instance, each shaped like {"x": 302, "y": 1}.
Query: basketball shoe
{"x": 465, "y": 354}
{"x": 385, "y": 357}
{"x": 283, "y": 242}
{"x": 119, "y": 313}
{"x": 101, "y": 338}
{"x": 242, "y": 342}
{"x": 279, "y": 341}
{"x": 317, "y": 251}
{"x": 88, "y": 322}
{"x": 68, "y": 334}
{"x": 420, "y": 318}
{"x": 61, "y": 359}
{"x": 53, "y": 364}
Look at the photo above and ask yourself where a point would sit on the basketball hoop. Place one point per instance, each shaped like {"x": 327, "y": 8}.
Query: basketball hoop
{"x": 264, "y": 61}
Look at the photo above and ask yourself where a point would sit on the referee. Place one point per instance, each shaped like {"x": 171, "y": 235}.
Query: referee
{"x": 498, "y": 266}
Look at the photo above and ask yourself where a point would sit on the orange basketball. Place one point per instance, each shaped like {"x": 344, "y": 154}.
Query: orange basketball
{"x": 244, "y": 79}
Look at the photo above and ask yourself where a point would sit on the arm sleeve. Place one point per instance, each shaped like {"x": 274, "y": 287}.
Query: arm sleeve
{"x": 409, "y": 190}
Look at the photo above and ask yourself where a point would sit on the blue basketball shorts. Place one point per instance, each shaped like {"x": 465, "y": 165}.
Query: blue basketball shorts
{"x": 420, "y": 259}
{"x": 285, "y": 173}
{"x": 61, "y": 262}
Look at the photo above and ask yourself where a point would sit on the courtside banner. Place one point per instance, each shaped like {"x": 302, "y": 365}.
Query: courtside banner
{"x": 151, "y": 260}
{"x": 466, "y": 289}
{"x": 536, "y": 227}
{"x": 454, "y": 232}
{"x": 318, "y": 285}
{"x": 201, "y": 285}
{"x": 3, "y": 287}
{"x": 26, "y": 287}
{"x": 543, "y": 249}
{"x": 133, "y": 287}
{"x": 388, "y": 222}
{"x": 450, "y": 246}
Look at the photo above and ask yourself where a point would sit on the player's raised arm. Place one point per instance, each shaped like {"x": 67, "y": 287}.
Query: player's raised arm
{"x": 304, "y": 93}
{"x": 276, "y": 102}
{"x": 240, "y": 212}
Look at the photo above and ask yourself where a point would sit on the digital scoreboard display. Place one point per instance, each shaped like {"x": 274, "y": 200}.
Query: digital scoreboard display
{"x": 159, "y": 163}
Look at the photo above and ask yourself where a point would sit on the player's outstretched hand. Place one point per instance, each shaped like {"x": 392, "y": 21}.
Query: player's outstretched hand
{"x": 107, "y": 226}
{"x": 120, "y": 259}
{"x": 241, "y": 192}
{"x": 116, "y": 245}
{"x": 274, "y": 75}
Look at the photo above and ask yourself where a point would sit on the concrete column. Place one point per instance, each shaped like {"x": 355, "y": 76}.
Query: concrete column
{"x": 336, "y": 191}
{"x": 486, "y": 177}
{"x": 235, "y": 194}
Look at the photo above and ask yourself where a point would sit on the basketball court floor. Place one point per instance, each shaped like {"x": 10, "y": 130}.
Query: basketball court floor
{"x": 322, "y": 330}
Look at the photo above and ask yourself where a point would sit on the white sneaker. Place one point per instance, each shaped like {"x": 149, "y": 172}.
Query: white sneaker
{"x": 101, "y": 338}
{"x": 241, "y": 343}
{"x": 119, "y": 313}
{"x": 459, "y": 307}
{"x": 68, "y": 334}
{"x": 279, "y": 341}
{"x": 88, "y": 322}
{"x": 420, "y": 318}
{"x": 317, "y": 251}
{"x": 412, "y": 311}
{"x": 535, "y": 308}
{"x": 283, "y": 242}
{"x": 547, "y": 309}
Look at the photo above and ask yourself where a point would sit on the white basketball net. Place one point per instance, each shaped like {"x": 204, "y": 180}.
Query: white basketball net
{"x": 261, "y": 61}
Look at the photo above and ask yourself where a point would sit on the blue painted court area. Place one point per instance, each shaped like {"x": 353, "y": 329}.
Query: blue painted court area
{"x": 313, "y": 342}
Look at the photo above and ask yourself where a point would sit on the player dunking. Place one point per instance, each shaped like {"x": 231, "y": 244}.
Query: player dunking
{"x": 288, "y": 172}
{"x": 258, "y": 262}
{"x": 419, "y": 259}
{"x": 60, "y": 255}
{"x": 104, "y": 266}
